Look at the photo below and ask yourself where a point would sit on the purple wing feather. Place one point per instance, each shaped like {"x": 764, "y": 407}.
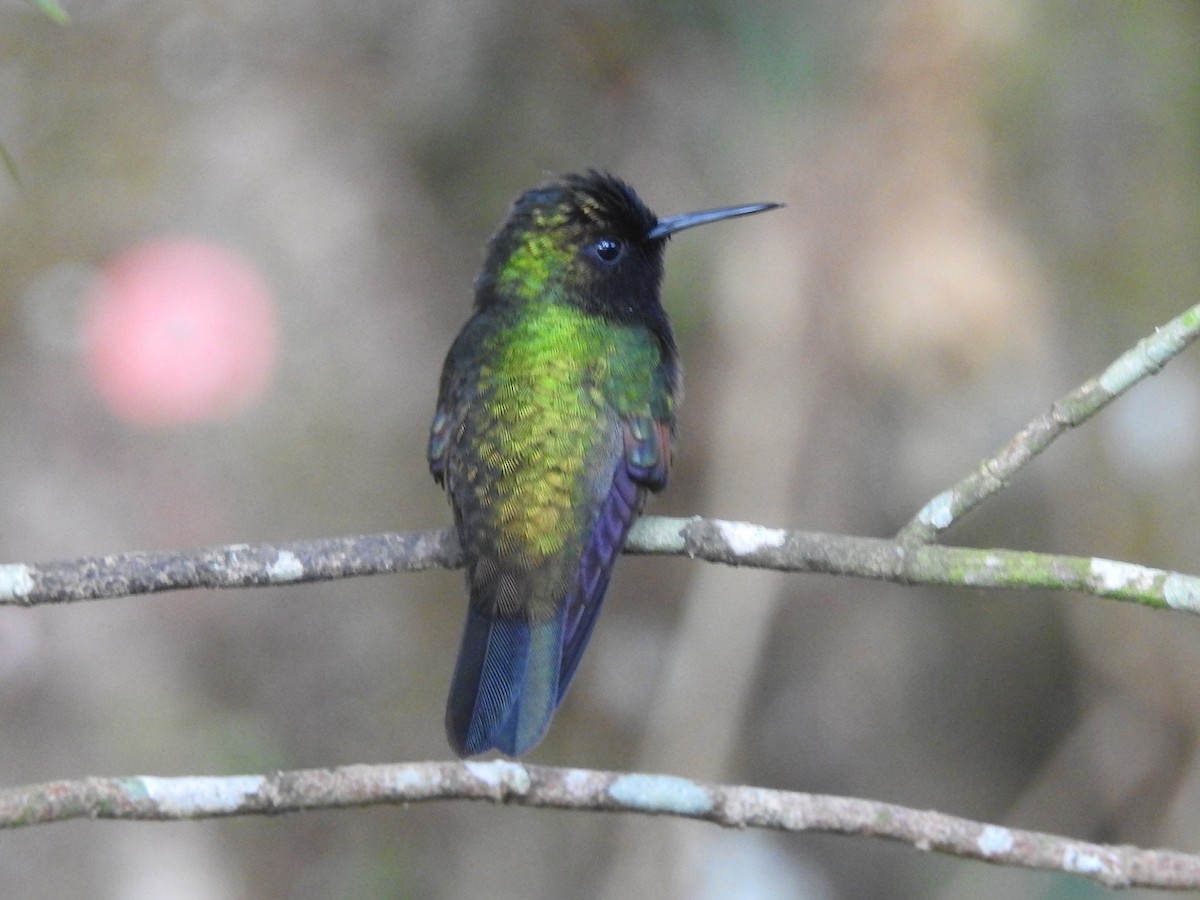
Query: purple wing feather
{"x": 642, "y": 467}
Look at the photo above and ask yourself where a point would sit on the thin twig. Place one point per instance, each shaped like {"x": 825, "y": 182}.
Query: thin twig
{"x": 1145, "y": 359}
{"x": 732, "y": 806}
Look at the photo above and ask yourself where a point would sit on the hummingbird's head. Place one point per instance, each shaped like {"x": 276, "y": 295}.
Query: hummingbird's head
{"x": 589, "y": 241}
{"x": 581, "y": 239}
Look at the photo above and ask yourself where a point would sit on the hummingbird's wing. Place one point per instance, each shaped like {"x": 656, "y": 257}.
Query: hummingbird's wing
{"x": 643, "y": 467}
{"x": 452, "y": 392}
{"x": 439, "y": 442}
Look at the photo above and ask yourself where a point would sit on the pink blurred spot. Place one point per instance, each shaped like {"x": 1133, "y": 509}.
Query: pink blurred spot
{"x": 179, "y": 331}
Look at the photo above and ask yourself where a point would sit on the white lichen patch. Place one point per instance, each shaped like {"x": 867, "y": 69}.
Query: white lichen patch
{"x": 1125, "y": 371}
{"x": 15, "y": 582}
{"x": 1119, "y": 576}
{"x": 576, "y": 780}
{"x": 199, "y": 794}
{"x": 1182, "y": 592}
{"x": 994, "y": 840}
{"x": 744, "y": 539}
{"x": 500, "y": 771}
{"x": 408, "y": 778}
{"x": 1075, "y": 860}
{"x": 661, "y": 793}
{"x": 984, "y": 574}
{"x": 286, "y": 568}
{"x": 938, "y": 512}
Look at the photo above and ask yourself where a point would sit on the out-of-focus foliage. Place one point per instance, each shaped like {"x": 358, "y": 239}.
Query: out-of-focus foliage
{"x": 10, "y": 167}
{"x": 53, "y": 11}
{"x": 986, "y": 203}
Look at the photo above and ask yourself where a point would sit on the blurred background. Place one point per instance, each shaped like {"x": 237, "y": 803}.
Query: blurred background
{"x": 238, "y": 240}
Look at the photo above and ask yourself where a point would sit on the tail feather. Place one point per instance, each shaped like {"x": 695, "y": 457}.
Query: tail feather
{"x": 505, "y": 686}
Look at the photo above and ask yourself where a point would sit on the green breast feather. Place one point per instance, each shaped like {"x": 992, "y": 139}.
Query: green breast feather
{"x": 544, "y": 425}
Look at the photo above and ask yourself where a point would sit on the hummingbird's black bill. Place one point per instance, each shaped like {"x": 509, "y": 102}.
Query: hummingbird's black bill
{"x": 672, "y": 224}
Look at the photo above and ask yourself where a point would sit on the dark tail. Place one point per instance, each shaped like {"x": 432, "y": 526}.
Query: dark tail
{"x": 505, "y": 686}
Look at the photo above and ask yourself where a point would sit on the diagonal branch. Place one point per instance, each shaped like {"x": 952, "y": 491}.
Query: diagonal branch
{"x": 500, "y": 781}
{"x": 1146, "y": 358}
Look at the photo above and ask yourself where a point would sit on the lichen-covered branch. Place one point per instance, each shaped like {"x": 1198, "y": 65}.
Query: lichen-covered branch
{"x": 169, "y": 799}
{"x": 1145, "y": 359}
{"x": 910, "y": 559}
{"x": 713, "y": 540}
{"x": 231, "y": 566}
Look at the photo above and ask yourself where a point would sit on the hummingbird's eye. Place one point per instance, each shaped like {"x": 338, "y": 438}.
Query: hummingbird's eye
{"x": 607, "y": 250}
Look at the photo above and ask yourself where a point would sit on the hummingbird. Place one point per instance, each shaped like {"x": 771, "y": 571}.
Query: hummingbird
{"x": 555, "y": 417}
